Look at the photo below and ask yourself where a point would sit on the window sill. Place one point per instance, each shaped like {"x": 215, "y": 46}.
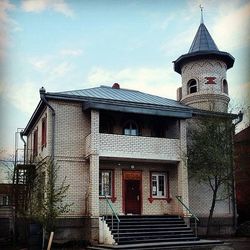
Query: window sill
{"x": 113, "y": 199}
{"x": 151, "y": 199}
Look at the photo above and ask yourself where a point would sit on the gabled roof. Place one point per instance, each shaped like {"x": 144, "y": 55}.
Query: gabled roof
{"x": 203, "y": 47}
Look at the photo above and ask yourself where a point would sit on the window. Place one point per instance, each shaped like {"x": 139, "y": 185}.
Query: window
{"x": 35, "y": 143}
{"x": 130, "y": 128}
{"x": 105, "y": 183}
{"x": 4, "y": 200}
{"x": 22, "y": 174}
{"x": 44, "y": 131}
{"x": 158, "y": 185}
{"x": 192, "y": 86}
{"x": 225, "y": 86}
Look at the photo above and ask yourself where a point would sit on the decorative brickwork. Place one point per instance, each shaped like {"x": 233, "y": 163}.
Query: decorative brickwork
{"x": 208, "y": 96}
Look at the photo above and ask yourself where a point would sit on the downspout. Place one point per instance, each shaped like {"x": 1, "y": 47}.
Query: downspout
{"x": 239, "y": 119}
{"x": 24, "y": 147}
{"x": 42, "y": 96}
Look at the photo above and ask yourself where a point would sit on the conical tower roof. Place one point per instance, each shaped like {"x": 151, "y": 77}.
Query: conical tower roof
{"x": 202, "y": 40}
{"x": 203, "y": 46}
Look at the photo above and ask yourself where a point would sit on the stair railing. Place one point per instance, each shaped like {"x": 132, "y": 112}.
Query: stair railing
{"x": 196, "y": 219}
{"x": 114, "y": 214}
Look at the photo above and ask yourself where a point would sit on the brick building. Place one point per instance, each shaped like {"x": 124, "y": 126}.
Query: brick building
{"x": 129, "y": 145}
{"x": 242, "y": 175}
{"x": 6, "y": 212}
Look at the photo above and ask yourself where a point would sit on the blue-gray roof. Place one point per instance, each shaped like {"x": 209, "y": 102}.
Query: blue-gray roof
{"x": 124, "y": 100}
{"x": 202, "y": 40}
{"x": 125, "y": 95}
{"x": 114, "y": 99}
{"x": 203, "y": 46}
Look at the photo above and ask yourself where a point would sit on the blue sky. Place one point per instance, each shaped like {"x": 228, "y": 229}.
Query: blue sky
{"x": 65, "y": 45}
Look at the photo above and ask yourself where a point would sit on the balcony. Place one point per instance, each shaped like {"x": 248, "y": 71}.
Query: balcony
{"x": 139, "y": 147}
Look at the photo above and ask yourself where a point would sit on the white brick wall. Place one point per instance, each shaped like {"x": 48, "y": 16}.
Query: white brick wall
{"x": 42, "y": 151}
{"x": 201, "y": 200}
{"x": 76, "y": 173}
{"x": 72, "y": 127}
{"x": 77, "y": 132}
{"x": 157, "y": 206}
{"x": 209, "y": 96}
{"x": 138, "y": 147}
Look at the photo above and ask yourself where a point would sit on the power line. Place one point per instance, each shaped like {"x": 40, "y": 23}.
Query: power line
{"x": 12, "y": 161}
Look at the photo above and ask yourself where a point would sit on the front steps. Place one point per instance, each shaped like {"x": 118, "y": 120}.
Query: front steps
{"x": 152, "y": 232}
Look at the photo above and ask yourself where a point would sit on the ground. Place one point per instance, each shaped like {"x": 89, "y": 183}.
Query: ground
{"x": 237, "y": 243}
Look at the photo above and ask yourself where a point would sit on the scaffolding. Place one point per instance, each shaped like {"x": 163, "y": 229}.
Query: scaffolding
{"x": 23, "y": 175}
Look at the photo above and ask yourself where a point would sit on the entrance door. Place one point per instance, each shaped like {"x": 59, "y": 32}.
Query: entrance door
{"x": 132, "y": 192}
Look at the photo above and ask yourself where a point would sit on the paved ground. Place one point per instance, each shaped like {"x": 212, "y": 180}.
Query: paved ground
{"x": 242, "y": 243}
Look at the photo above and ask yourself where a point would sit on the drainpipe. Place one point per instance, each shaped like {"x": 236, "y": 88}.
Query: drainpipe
{"x": 24, "y": 147}
{"x": 42, "y": 96}
{"x": 239, "y": 119}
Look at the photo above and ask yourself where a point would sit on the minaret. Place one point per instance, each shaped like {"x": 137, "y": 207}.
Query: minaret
{"x": 203, "y": 70}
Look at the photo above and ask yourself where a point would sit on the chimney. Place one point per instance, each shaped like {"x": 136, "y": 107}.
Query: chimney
{"x": 179, "y": 94}
{"x": 116, "y": 86}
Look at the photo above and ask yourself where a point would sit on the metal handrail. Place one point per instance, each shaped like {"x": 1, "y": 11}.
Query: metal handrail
{"x": 192, "y": 214}
{"x": 113, "y": 214}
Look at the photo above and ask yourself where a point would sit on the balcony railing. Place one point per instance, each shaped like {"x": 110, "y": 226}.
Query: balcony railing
{"x": 123, "y": 146}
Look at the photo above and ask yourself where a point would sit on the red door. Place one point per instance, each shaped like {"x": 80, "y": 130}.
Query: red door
{"x": 132, "y": 192}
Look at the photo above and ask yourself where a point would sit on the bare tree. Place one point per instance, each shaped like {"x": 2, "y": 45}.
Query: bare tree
{"x": 6, "y": 167}
{"x": 210, "y": 157}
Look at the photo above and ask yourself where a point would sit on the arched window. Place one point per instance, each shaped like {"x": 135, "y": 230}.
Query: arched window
{"x": 192, "y": 86}
{"x": 131, "y": 128}
{"x": 225, "y": 86}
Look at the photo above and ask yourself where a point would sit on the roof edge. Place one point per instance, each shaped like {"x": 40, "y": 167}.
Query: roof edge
{"x": 40, "y": 106}
{"x": 103, "y": 100}
{"x": 207, "y": 54}
{"x": 202, "y": 112}
{"x": 142, "y": 109}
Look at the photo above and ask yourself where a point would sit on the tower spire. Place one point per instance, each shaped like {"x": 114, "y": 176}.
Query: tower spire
{"x": 201, "y": 7}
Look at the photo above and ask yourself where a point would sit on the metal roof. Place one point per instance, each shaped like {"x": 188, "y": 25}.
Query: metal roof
{"x": 202, "y": 40}
{"x": 112, "y": 94}
{"x": 114, "y": 99}
{"x": 203, "y": 46}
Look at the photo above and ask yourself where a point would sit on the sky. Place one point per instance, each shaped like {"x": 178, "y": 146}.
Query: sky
{"x": 76, "y": 44}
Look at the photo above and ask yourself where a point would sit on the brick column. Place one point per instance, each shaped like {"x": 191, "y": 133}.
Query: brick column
{"x": 94, "y": 178}
{"x": 183, "y": 170}
{"x": 94, "y": 165}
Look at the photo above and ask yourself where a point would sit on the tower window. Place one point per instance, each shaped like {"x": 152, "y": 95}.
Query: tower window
{"x": 225, "y": 86}
{"x": 192, "y": 86}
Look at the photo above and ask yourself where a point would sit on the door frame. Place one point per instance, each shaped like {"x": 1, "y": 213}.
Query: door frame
{"x": 131, "y": 175}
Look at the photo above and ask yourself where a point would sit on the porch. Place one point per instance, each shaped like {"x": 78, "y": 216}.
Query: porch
{"x": 138, "y": 187}
{"x": 139, "y": 174}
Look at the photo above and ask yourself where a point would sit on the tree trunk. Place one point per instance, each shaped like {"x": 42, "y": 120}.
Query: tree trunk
{"x": 211, "y": 212}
